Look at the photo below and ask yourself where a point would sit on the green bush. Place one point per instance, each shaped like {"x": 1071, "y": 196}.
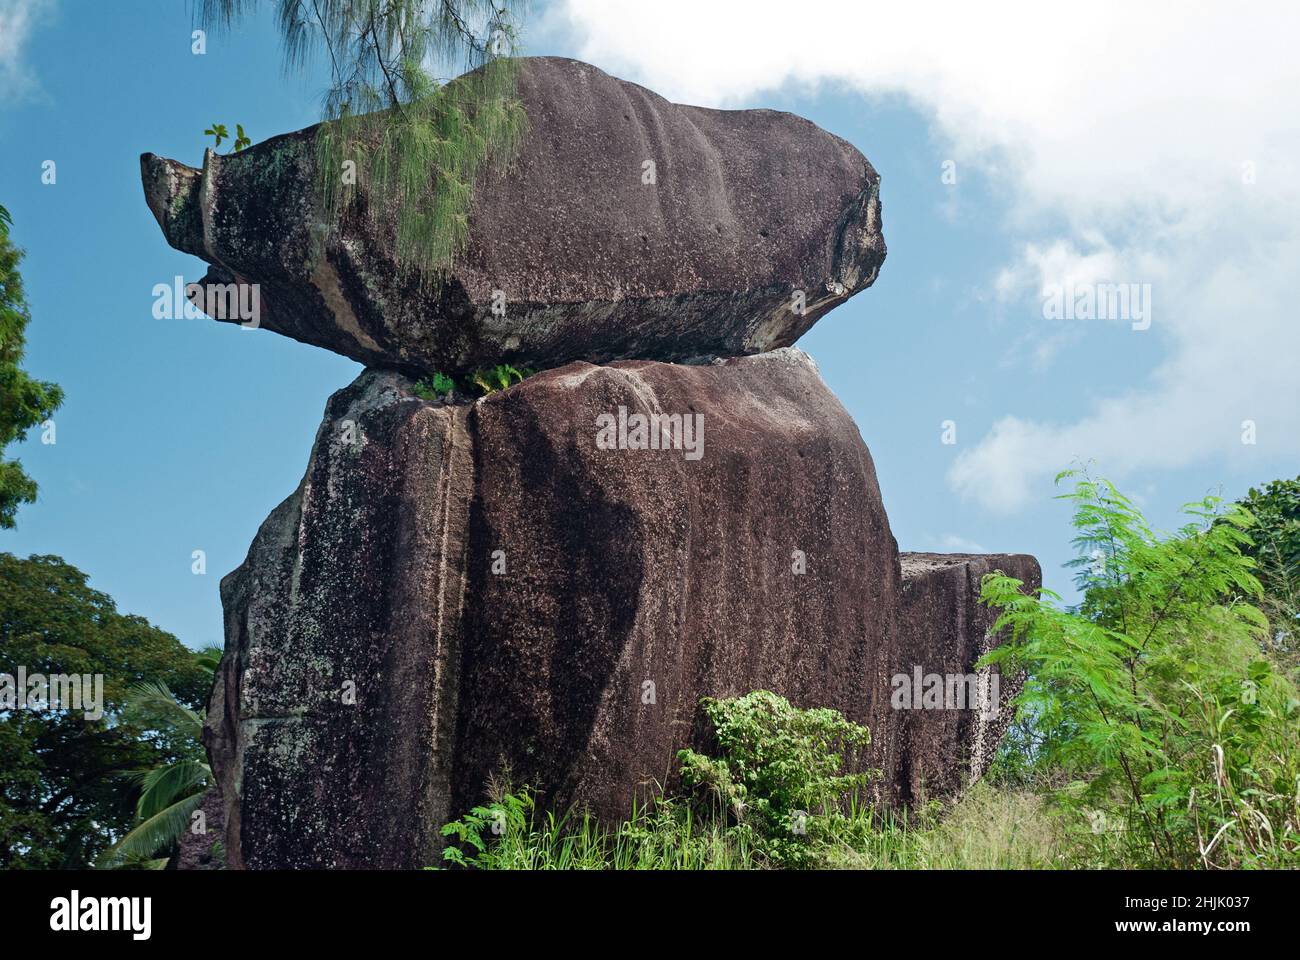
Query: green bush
{"x": 780, "y": 775}
{"x": 1276, "y": 551}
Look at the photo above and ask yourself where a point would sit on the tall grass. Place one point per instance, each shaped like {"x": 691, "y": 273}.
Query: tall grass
{"x": 989, "y": 829}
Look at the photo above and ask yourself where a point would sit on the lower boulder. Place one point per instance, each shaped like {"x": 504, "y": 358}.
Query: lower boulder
{"x": 540, "y": 587}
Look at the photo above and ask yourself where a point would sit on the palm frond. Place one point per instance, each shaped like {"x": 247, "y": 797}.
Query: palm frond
{"x": 153, "y": 701}
{"x": 162, "y": 786}
{"x": 209, "y": 657}
{"x": 160, "y": 832}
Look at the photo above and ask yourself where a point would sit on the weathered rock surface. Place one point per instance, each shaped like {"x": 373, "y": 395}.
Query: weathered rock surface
{"x": 205, "y": 850}
{"x": 454, "y": 592}
{"x": 944, "y": 629}
{"x": 595, "y": 264}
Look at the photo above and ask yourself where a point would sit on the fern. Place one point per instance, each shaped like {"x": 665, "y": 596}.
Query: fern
{"x": 500, "y": 377}
{"x": 435, "y": 387}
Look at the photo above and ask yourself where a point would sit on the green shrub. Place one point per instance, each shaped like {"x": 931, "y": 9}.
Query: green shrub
{"x": 780, "y": 778}
{"x": 509, "y": 817}
{"x": 1276, "y": 552}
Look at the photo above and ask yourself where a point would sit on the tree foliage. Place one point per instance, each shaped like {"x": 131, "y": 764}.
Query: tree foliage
{"x": 1276, "y": 551}
{"x": 1176, "y": 738}
{"x": 402, "y": 147}
{"x": 172, "y": 791}
{"x": 24, "y": 402}
{"x": 169, "y": 794}
{"x": 64, "y": 795}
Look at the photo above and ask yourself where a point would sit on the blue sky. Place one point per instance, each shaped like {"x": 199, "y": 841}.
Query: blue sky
{"x": 181, "y": 435}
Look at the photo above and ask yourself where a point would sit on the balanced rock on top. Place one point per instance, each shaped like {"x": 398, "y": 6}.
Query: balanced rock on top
{"x": 626, "y": 227}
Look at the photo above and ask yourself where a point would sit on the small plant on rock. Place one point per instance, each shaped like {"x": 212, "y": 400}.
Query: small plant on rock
{"x": 218, "y": 132}
{"x": 435, "y": 387}
{"x": 499, "y": 377}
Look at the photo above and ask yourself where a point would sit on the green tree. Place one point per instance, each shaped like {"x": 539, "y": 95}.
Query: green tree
{"x": 170, "y": 792}
{"x": 416, "y": 142}
{"x": 1275, "y": 548}
{"x": 24, "y": 402}
{"x": 62, "y": 797}
{"x": 1175, "y": 737}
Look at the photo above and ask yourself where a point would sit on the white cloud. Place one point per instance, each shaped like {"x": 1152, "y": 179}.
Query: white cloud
{"x": 952, "y": 543}
{"x": 18, "y": 18}
{"x": 1151, "y": 142}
